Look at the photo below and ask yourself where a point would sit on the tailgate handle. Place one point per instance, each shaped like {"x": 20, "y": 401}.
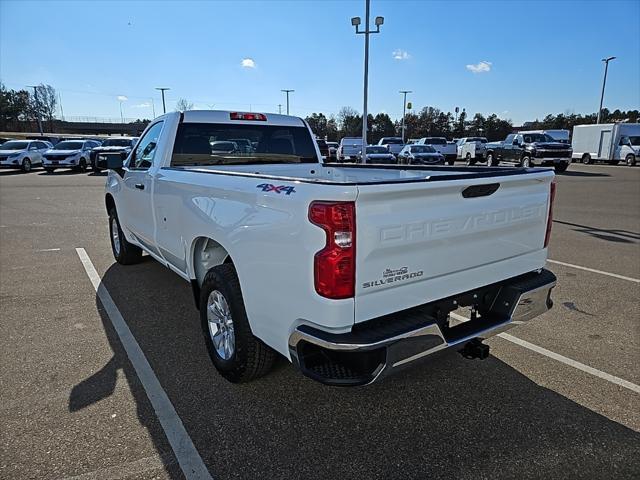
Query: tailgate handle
{"x": 480, "y": 190}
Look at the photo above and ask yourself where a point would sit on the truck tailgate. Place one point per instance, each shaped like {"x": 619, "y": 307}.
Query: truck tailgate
{"x": 420, "y": 242}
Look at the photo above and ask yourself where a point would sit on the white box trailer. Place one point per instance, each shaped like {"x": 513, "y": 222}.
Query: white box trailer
{"x": 606, "y": 142}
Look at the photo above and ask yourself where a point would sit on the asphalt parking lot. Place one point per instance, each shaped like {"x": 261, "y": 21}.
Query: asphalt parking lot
{"x": 74, "y": 407}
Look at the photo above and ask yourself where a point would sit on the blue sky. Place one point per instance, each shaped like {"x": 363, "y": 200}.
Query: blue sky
{"x": 540, "y": 57}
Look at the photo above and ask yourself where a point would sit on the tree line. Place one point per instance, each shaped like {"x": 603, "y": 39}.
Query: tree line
{"x": 20, "y": 106}
{"x": 432, "y": 122}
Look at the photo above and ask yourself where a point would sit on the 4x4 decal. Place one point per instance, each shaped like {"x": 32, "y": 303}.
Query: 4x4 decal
{"x": 267, "y": 187}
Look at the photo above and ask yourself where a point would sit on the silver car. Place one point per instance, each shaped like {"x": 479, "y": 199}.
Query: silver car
{"x": 420, "y": 155}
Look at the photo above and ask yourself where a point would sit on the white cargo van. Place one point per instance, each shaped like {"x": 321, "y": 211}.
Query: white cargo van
{"x": 607, "y": 142}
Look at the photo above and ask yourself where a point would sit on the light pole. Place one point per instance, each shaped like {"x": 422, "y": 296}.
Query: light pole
{"x": 121, "y": 98}
{"x": 280, "y": 108}
{"x": 355, "y": 21}
{"x": 35, "y": 94}
{"x": 162, "y": 89}
{"x": 287, "y": 92}
{"x": 404, "y": 109}
{"x": 604, "y": 82}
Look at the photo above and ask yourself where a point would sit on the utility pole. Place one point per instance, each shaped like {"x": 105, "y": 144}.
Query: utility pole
{"x": 355, "y": 21}
{"x": 404, "y": 110}
{"x": 35, "y": 94}
{"x": 162, "y": 89}
{"x": 604, "y": 82}
{"x": 287, "y": 92}
{"x": 60, "y": 101}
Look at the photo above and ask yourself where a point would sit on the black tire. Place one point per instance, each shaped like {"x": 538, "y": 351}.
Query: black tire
{"x": 251, "y": 358}
{"x": 630, "y": 160}
{"x": 126, "y": 253}
{"x": 491, "y": 161}
{"x": 586, "y": 159}
{"x": 49, "y": 170}
{"x": 82, "y": 165}
{"x": 526, "y": 162}
{"x": 451, "y": 162}
{"x": 470, "y": 162}
{"x": 26, "y": 165}
{"x": 561, "y": 167}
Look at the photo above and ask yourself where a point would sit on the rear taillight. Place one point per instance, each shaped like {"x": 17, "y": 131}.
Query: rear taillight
{"x": 334, "y": 267}
{"x": 552, "y": 196}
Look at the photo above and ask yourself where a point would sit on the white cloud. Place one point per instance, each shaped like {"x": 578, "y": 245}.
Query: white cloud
{"x": 400, "y": 54}
{"x": 122, "y": 98}
{"x": 142, "y": 105}
{"x": 248, "y": 63}
{"x": 480, "y": 67}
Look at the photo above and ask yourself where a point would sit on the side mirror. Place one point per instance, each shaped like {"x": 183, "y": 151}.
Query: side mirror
{"x": 111, "y": 162}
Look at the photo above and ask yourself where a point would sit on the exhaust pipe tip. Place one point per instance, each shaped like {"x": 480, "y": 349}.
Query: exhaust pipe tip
{"x": 475, "y": 349}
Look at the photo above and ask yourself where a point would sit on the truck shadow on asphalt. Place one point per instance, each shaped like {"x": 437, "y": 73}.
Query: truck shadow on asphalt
{"x": 449, "y": 418}
{"x": 610, "y": 235}
{"x": 575, "y": 173}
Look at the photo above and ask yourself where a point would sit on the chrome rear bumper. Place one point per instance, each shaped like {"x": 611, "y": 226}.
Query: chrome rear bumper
{"x": 383, "y": 345}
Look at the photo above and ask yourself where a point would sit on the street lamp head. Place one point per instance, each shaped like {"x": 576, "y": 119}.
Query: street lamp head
{"x": 379, "y": 21}
{"x": 355, "y": 21}
{"x": 608, "y": 59}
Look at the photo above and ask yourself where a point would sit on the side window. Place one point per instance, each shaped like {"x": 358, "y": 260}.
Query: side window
{"x": 146, "y": 147}
{"x": 33, "y": 146}
{"x": 624, "y": 141}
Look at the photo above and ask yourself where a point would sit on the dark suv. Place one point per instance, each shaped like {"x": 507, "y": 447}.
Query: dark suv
{"x": 111, "y": 146}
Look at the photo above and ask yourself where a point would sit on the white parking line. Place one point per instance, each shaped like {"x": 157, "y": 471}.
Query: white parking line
{"x": 593, "y": 270}
{"x": 49, "y": 250}
{"x": 188, "y": 457}
{"x": 562, "y": 359}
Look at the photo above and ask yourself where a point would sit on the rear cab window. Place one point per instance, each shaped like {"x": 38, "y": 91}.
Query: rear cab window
{"x": 200, "y": 144}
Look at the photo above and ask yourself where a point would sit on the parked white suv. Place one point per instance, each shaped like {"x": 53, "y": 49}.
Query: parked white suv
{"x": 74, "y": 154}
{"x": 349, "y": 271}
{"x": 22, "y": 154}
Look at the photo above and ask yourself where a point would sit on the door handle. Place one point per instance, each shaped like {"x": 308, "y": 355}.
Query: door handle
{"x": 139, "y": 186}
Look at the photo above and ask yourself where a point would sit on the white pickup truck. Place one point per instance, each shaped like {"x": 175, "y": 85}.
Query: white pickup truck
{"x": 351, "y": 272}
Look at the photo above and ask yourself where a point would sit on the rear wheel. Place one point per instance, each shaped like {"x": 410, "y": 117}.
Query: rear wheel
{"x": 26, "y": 165}
{"x": 586, "y": 159}
{"x": 451, "y": 161}
{"x": 234, "y": 351}
{"x": 124, "y": 252}
{"x": 630, "y": 159}
{"x": 82, "y": 165}
{"x": 526, "y": 162}
{"x": 491, "y": 161}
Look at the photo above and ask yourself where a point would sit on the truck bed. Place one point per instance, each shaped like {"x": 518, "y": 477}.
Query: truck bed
{"x": 338, "y": 173}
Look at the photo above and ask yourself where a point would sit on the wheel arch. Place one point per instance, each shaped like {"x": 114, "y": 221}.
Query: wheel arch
{"x": 109, "y": 202}
{"x": 204, "y": 254}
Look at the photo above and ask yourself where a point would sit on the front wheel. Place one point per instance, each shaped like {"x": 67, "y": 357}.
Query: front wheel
{"x": 469, "y": 161}
{"x": 630, "y": 159}
{"x": 451, "y": 162}
{"x": 526, "y": 162}
{"x": 561, "y": 167}
{"x": 124, "y": 252}
{"x": 82, "y": 165}
{"x": 235, "y": 352}
{"x": 491, "y": 161}
{"x": 26, "y": 165}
